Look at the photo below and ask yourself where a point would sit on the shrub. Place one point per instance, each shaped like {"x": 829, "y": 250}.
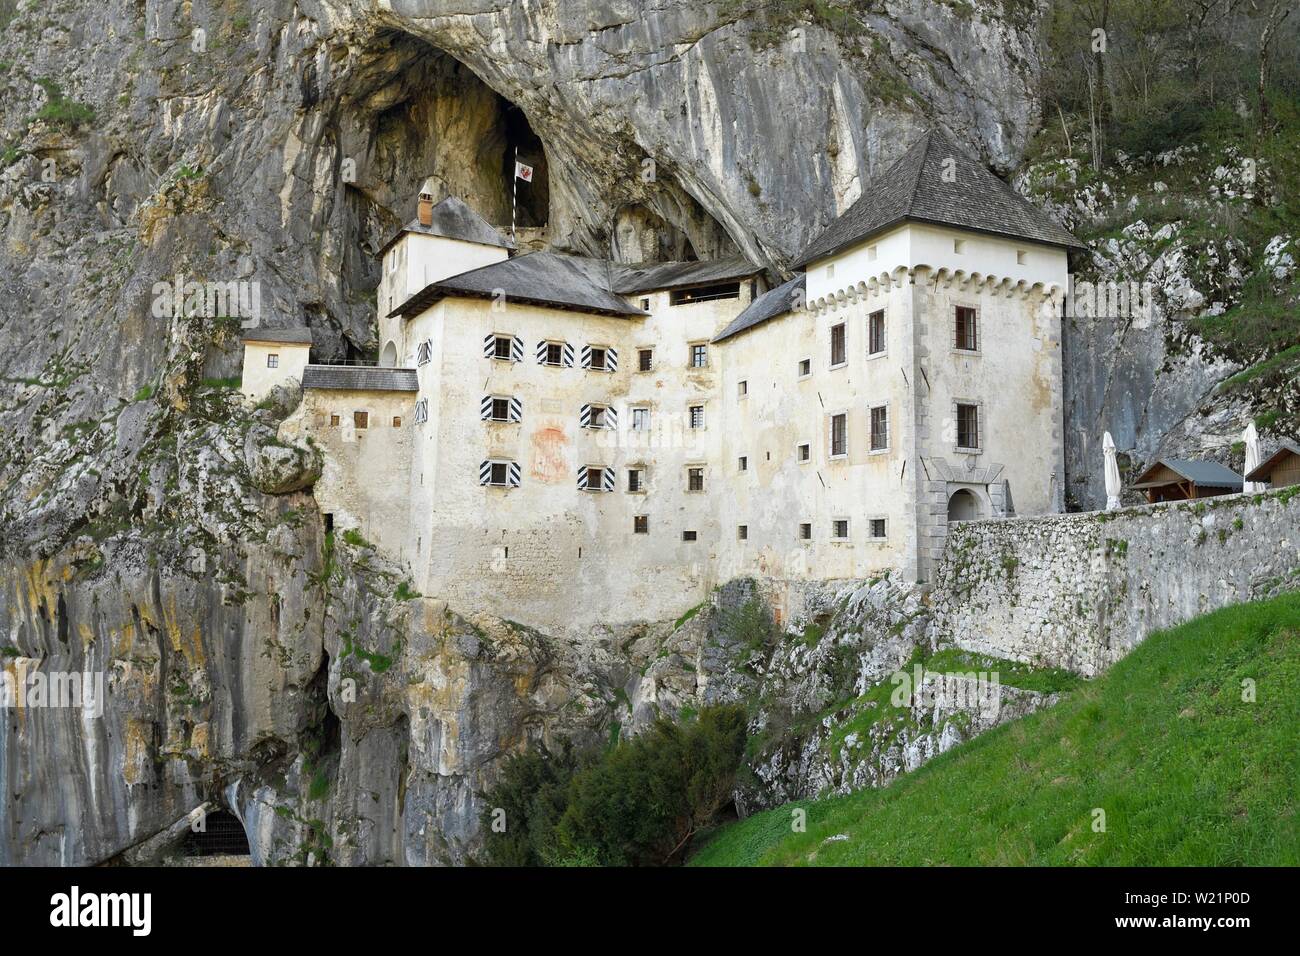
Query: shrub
{"x": 532, "y": 793}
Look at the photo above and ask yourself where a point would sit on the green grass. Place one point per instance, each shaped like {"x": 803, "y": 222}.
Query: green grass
{"x": 1186, "y": 771}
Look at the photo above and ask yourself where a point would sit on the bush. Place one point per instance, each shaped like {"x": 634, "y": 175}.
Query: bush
{"x": 639, "y": 804}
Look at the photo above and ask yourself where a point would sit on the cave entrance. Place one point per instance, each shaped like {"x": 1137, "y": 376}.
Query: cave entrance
{"x": 222, "y": 835}
{"x": 533, "y": 198}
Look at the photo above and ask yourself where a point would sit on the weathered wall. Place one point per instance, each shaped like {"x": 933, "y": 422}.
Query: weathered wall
{"x": 1080, "y": 591}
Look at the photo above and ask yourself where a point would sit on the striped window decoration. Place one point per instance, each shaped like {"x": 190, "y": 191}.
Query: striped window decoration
{"x": 502, "y": 474}
{"x": 424, "y": 352}
{"x": 592, "y": 478}
{"x": 512, "y": 350}
{"x": 421, "y": 411}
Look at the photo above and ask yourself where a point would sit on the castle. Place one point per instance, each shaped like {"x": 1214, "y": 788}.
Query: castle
{"x": 564, "y": 441}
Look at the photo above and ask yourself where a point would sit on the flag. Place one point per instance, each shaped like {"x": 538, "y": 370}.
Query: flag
{"x": 523, "y": 172}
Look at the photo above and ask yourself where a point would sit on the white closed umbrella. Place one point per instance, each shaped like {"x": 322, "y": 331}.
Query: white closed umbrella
{"x": 1113, "y": 486}
{"x": 1253, "y": 457}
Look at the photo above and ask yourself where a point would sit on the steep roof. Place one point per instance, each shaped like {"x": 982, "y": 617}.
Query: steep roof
{"x": 294, "y": 336}
{"x": 784, "y": 298}
{"x": 654, "y": 276}
{"x": 453, "y": 219}
{"x": 1208, "y": 473}
{"x": 362, "y": 378}
{"x": 541, "y": 278}
{"x": 915, "y": 189}
{"x": 1265, "y": 469}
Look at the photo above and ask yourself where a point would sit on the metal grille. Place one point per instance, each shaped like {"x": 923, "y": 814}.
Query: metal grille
{"x": 223, "y": 835}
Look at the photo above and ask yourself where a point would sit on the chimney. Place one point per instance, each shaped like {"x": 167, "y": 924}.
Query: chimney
{"x": 424, "y": 209}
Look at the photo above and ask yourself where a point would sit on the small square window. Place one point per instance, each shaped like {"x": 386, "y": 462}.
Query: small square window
{"x": 840, "y": 529}
{"x": 805, "y": 367}
{"x": 645, "y": 359}
{"x": 635, "y": 479}
{"x": 273, "y": 360}
{"x": 501, "y": 409}
{"x": 641, "y": 524}
{"x": 805, "y": 531}
{"x": 699, "y": 356}
{"x": 640, "y": 419}
{"x": 361, "y": 419}
{"x": 877, "y": 527}
{"x": 744, "y": 463}
{"x": 501, "y": 347}
{"x": 397, "y": 421}
{"x": 598, "y": 359}
{"x": 697, "y": 416}
{"x": 645, "y": 305}
{"x": 598, "y": 417}
{"x": 742, "y": 388}
{"x": 742, "y": 532}
{"x": 688, "y": 536}
{"x": 805, "y": 451}
{"x": 554, "y": 353}
{"x": 500, "y": 473}
{"x": 694, "y": 479}
{"x": 334, "y": 421}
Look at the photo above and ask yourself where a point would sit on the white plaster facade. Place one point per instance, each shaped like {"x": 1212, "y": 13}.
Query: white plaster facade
{"x": 269, "y": 363}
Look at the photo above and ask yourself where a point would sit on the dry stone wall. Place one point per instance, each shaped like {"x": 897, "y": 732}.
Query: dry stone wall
{"x": 1079, "y": 591}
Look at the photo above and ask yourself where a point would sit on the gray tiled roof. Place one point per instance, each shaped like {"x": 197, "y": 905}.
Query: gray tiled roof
{"x": 1209, "y": 473}
{"x": 453, "y": 219}
{"x": 915, "y": 189}
{"x": 784, "y": 298}
{"x": 363, "y": 378}
{"x": 1266, "y": 466}
{"x": 542, "y": 278}
{"x": 653, "y": 276}
{"x": 295, "y": 336}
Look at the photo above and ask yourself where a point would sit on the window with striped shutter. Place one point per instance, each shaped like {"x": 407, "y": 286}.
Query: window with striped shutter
{"x": 505, "y": 348}
{"x": 500, "y": 474}
{"x": 424, "y": 353}
{"x": 421, "y": 411}
{"x": 595, "y": 478}
{"x": 501, "y": 408}
{"x": 597, "y": 416}
{"x": 599, "y": 358}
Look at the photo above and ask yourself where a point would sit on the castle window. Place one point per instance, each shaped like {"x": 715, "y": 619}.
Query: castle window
{"x": 641, "y": 524}
{"x": 424, "y": 353}
{"x": 334, "y": 421}
{"x": 645, "y": 305}
{"x": 876, "y": 528}
{"x": 743, "y": 464}
{"x": 498, "y": 408}
{"x": 557, "y": 354}
{"x": 959, "y": 246}
{"x": 876, "y": 332}
{"x": 635, "y": 480}
{"x": 805, "y": 531}
{"x": 645, "y": 359}
{"x": 597, "y": 416}
{"x": 1022, "y": 257}
{"x": 880, "y": 428}
{"x": 640, "y": 419}
{"x": 599, "y": 358}
{"x": 501, "y": 348}
{"x": 804, "y": 451}
{"x": 839, "y": 435}
{"x": 742, "y": 532}
{"x": 595, "y": 478}
{"x": 697, "y": 416}
{"x": 839, "y": 353}
{"x": 742, "y": 388}
{"x": 805, "y": 368}
{"x": 421, "y": 411}
{"x": 965, "y": 322}
{"x": 500, "y": 474}
{"x": 273, "y": 360}
{"x": 840, "y": 529}
{"x": 695, "y": 479}
{"x": 968, "y": 426}
{"x": 361, "y": 419}
{"x": 699, "y": 356}
{"x": 397, "y": 421}
{"x": 689, "y": 536}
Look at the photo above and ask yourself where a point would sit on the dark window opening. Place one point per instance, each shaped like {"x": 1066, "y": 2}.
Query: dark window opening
{"x": 876, "y": 332}
{"x": 877, "y": 527}
{"x": 688, "y": 536}
{"x": 501, "y": 347}
{"x": 705, "y": 293}
{"x": 329, "y": 522}
{"x": 967, "y": 337}
{"x": 222, "y": 835}
{"x": 694, "y": 479}
{"x": 641, "y": 524}
{"x": 598, "y": 359}
{"x": 500, "y": 473}
{"x": 501, "y": 409}
{"x": 742, "y": 532}
{"x": 879, "y": 428}
{"x": 554, "y": 353}
{"x": 361, "y": 419}
{"x": 805, "y": 531}
{"x": 839, "y": 435}
{"x": 839, "y": 354}
{"x": 968, "y": 426}
{"x": 645, "y": 358}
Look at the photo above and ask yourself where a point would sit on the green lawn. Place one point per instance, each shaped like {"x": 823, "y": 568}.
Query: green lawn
{"x": 1185, "y": 770}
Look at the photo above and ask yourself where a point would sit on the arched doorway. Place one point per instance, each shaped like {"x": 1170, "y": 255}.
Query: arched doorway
{"x": 964, "y": 506}
{"x": 389, "y": 358}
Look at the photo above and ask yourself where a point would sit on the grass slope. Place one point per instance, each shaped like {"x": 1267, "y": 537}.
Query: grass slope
{"x": 1186, "y": 772}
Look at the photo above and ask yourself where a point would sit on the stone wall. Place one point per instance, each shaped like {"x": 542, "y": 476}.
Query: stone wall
{"x": 1079, "y": 591}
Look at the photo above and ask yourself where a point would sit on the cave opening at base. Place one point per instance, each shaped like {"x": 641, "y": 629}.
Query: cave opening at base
{"x": 222, "y": 835}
